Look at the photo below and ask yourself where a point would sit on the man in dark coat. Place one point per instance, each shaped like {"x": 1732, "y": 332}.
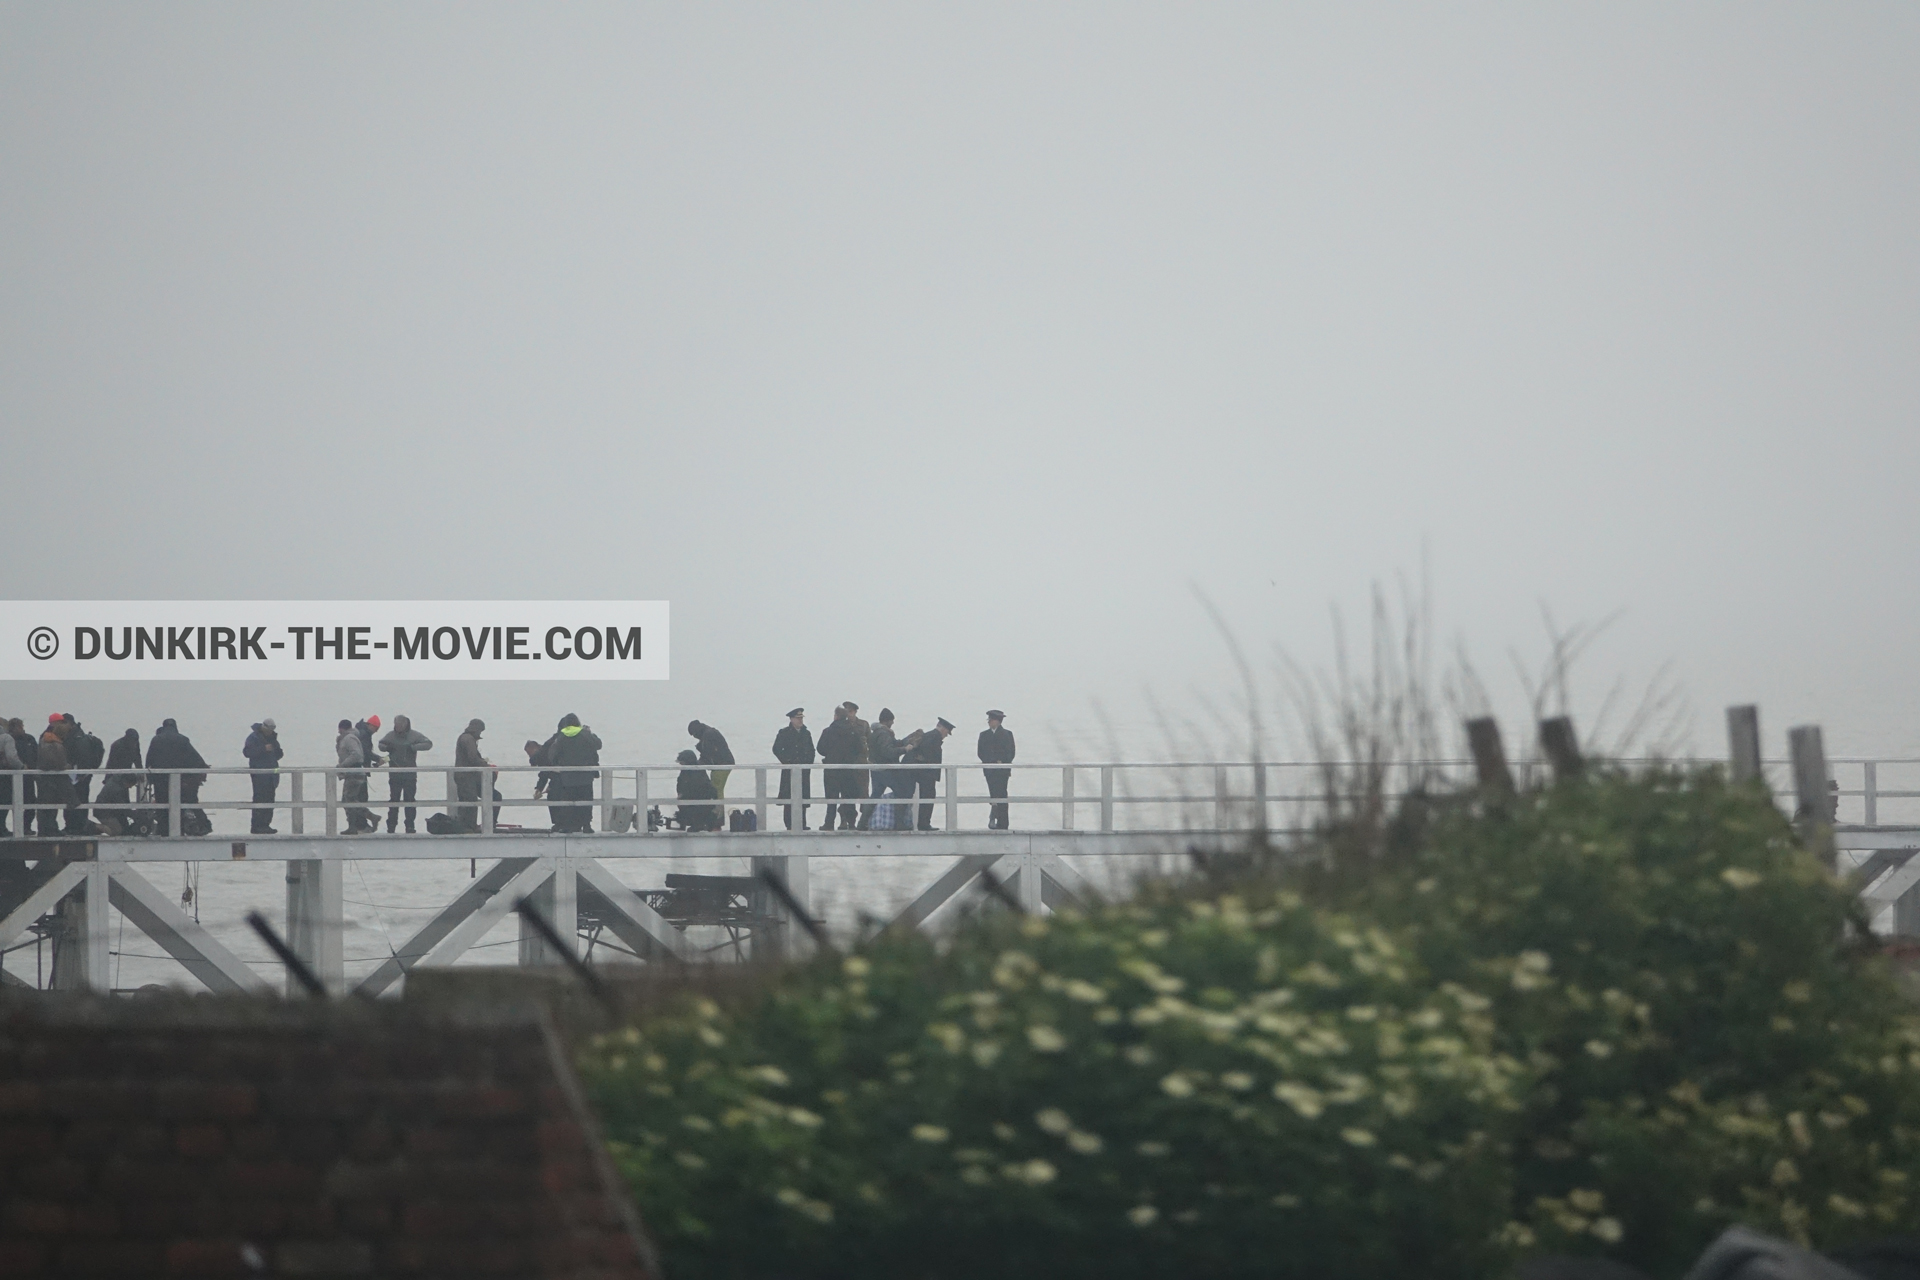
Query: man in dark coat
{"x": 473, "y": 773}
{"x": 263, "y": 751}
{"x": 56, "y": 788}
{"x": 840, "y": 745}
{"x": 171, "y": 749}
{"x": 572, "y": 745}
{"x": 794, "y": 745}
{"x": 403, "y": 745}
{"x": 883, "y": 749}
{"x": 996, "y": 747}
{"x": 123, "y": 765}
{"x": 713, "y": 751}
{"x": 29, "y": 751}
{"x": 694, "y": 784}
{"x": 927, "y": 781}
{"x": 84, "y": 751}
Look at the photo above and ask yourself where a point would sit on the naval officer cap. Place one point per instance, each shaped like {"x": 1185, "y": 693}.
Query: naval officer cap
{"x": 996, "y": 715}
{"x": 797, "y": 711}
{"x": 944, "y": 723}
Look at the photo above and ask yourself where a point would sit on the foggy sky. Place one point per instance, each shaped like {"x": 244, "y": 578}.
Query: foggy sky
{"x": 933, "y": 356}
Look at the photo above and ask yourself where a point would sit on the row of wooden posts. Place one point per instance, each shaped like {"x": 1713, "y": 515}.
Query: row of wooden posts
{"x": 1813, "y": 802}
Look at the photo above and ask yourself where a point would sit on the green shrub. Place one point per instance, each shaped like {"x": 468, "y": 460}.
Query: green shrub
{"x": 1606, "y": 1018}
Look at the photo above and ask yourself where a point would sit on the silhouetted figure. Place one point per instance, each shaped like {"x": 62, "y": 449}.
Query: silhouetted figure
{"x": 9, "y": 760}
{"x": 694, "y": 784}
{"x": 263, "y": 752}
{"x": 841, "y": 743}
{"x": 713, "y": 751}
{"x": 27, "y": 747}
{"x": 996, "y": 747}
{"x": 123, "y": 778}
{"x": 171, "y": 749}
{"x": 574, "y": 746}
{"x": 927, "y": 781}
{"x": 883, "y": 748}
{"x": 794, "y": 745}
{"x": 403, "y": 745}
{"x": 351, "y": 757}
{"x": 84, "y": 752}
{"x": 472, "y": 772}
{"x": 56, "y": 788}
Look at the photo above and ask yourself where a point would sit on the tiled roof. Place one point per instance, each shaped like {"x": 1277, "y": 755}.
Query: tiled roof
{"x": 244, "y": 1136}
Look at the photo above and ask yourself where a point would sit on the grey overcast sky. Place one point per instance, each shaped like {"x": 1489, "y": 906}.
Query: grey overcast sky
{"x": 932, "y": 355}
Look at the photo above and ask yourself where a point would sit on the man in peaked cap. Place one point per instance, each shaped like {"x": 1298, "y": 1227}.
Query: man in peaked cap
{"x": 927, "y": 781}
{"x": 996, "y": 747}
{"x": 794, "y": 745}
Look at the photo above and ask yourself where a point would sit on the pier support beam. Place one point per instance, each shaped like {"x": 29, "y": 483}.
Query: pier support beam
{"x": 316, "y": 920}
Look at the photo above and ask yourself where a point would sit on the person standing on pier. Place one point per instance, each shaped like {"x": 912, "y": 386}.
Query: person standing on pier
{"x": 28, "y": 750}
{"x": 56, "y": 788}
{"x": 171, "y": 749}
{"x": 927, "y": 781}
{"x": 263, "y": 752}
{"x": 883, "y": 749}
{"x": 84, "y": 752}
{"x": 123, "y": 764}
{"x": 996, "y": 747}
{"x": 351, "y": 758}
{"x": 859, "y": 780}
{"x": 713, "y": 751}
{"x": 471, "y": 771}
{"x": 839, "y": 746}
{"x": 576, "y": 745}
{"x": 403, "y": 745}
{"x": 9, "y": 760}
{"x": 794, "y": 745}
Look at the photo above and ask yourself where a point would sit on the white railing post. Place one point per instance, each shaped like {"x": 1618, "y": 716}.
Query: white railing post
{"x": 453, "y": 793}
{"x": 606, "y": 800}
{"x": 1260, "y": 797}
{"x": 642, "y": 801}
{"x": 296, "y": 794}
{"x": 1068, "y": 781}
{"x": 952, "y": 781}
{"x": 760, "y": 797}
{"x": 1871, "y": 786}
{"x": 1222, "y": 810}
{"x": 20, "y": 804}
{"x": 173, "y": 803}
{"x": 1106, "y": 797}
{"x": 333, "y": 799}
{"x": 487, "y": 780}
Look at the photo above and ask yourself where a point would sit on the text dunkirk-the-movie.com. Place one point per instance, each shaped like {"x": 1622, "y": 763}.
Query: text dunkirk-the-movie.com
{"x": 333, "y": 640}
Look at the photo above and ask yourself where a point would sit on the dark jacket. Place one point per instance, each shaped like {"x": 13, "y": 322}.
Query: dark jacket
{"x": 403, "y": 749}
{"x": 882, "y": 746}
{"x": 53, "y": 753}
{"x": 171, "y": 749}
{"x": 124, "y": 758}
{"x": 466, "y": 752}
{"x": 578, "y": 748}
{"x": 364, "y": 732}
{"x": 713, "y": 746}
{"x": 996, "y": 746}
{"x": 262, "y": 750}
{"x": 839, "y": 744}
{"x": 927, "y": 750}
{"x": 793, "y": 746}
{"x": 84, "y": 751}
{"x": 582, "y": 748}
{"x": 29, "y": 749}
{"x": 695, "y": 784}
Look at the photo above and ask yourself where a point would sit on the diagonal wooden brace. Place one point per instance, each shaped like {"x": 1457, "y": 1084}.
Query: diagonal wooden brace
{"x": 429, "y": 935}
{"x": 150, "y": 911}
{"x": 633, "y": 921}
{"x": 961, "y": 874}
